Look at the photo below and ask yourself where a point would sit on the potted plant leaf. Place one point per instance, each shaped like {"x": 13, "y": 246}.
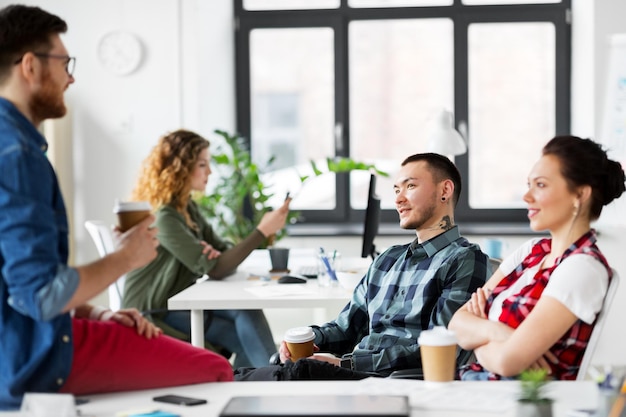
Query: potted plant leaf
{"x": 533, "y": 401}
{"x": 241, "y": 197}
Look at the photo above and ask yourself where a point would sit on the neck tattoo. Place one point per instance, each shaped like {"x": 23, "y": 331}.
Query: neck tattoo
{"x": 445, "y": 223}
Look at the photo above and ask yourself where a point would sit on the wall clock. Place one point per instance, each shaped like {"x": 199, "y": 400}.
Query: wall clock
{"x": 120, "y": 52}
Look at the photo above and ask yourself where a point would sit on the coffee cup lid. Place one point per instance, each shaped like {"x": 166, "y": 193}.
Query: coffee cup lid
{"x": 131, "y": 206}
{"x": 437, "y": 336}
{"x": 299, "y": 335}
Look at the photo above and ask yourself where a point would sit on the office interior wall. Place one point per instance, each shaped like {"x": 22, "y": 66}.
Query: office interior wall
{"x": 58, "y": 133}
{"x": 612, "y": 224}
{"x": 186, "y": 79}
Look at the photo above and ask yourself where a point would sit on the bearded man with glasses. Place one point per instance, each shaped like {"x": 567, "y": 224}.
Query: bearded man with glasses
{"x": 52, "y": 339}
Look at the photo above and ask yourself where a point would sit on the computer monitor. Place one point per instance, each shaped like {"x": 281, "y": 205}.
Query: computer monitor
{"x": 372, "y": 218}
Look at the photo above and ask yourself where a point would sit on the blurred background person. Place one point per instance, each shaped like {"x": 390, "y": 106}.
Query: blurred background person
{"x": 190, "y": 248}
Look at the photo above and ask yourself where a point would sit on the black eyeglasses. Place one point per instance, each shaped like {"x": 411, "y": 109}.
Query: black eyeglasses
{"x": 70, "y": 61}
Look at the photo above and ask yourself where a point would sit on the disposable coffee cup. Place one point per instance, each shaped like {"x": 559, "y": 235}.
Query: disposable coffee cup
{"x": 299, "y": 341}
{"x": 438, "y": 351}
{"x": 129, "y": 213}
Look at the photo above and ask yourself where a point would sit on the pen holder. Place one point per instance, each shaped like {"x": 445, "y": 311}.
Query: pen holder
{"x": 323, "y": 277}
{"x": 279, "y": 258}
{"x": 606, "y": 399}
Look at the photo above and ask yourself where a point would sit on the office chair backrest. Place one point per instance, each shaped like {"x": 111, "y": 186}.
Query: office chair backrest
{"x": 103, "y": 238}
{"x": 597, "y": 329}
{"x": 494, "y": 264}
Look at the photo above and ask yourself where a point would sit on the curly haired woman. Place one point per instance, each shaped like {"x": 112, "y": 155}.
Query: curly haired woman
{"x": 189, "y": 248}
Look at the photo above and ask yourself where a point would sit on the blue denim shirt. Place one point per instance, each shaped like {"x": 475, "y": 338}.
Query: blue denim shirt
{"x": 36, "y": 337}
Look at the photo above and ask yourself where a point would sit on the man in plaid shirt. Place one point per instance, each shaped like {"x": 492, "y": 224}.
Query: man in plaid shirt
{"x": 407, "y": 289}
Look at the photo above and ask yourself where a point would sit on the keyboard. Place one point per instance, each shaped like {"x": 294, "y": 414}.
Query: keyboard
{"x": 309, "y": 271}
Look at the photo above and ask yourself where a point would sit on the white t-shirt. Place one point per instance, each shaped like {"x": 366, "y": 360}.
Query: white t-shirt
{"x": 579, "y": 283}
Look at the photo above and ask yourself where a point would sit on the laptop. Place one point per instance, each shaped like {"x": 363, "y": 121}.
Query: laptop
{"x": 317, "y": 405}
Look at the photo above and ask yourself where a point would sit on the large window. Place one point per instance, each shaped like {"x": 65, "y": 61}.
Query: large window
{"x": 367, "y": 78}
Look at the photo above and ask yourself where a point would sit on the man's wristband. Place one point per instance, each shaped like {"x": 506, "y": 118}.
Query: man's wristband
{"x": 97, "y": 312}
{"x": 346, "y": 361}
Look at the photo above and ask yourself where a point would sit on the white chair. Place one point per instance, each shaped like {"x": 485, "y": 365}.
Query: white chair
{"x": 597, "y": 329}
{"x": 103, "y": 238}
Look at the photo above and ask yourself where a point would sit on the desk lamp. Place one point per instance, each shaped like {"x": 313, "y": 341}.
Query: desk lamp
{"x": 444, "y": 138}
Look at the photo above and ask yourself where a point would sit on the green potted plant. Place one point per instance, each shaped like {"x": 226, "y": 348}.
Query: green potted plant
{"x": 533, "y": 401}
{"x": 241, "y": 197}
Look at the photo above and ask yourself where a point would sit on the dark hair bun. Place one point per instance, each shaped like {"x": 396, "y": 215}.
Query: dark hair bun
{"x": 584, "y": 162}
{"x": 615, "y": 182}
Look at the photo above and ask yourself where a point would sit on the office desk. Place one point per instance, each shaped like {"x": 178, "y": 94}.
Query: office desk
{"x": 425, "y": 401}
{"x": 239, "y": 292}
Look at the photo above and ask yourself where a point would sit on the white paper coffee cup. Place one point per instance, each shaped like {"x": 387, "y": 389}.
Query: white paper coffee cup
{"x": 299, "y": 341}
{"x": 438, "y": 351}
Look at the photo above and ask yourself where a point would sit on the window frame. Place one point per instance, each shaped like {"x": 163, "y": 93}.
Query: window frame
{"x": 480, "y": 221}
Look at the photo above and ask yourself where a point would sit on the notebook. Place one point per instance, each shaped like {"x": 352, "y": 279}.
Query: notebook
{"x": 317, "y": 405}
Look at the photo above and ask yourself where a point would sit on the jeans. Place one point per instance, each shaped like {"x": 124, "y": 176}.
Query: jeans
{"x": 302, "y": 370}
{"x": 482, "y": 376}
{"x": 243, "y": 332}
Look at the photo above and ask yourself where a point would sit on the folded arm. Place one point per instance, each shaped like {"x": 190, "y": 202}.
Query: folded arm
{"x": 543, "y": 327}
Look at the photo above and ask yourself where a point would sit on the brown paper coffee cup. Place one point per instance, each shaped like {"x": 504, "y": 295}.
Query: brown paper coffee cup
{"x": 438, "y": 352}
{"x": 299, "y": 341}
{"x": 129, "y": 213}
{"x": 438, "y": 362}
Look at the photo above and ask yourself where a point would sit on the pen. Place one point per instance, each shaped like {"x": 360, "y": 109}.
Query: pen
{"x": 329, "y": 269}
{"x": 287, "y": 196}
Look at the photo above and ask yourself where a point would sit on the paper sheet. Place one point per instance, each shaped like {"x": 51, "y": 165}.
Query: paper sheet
{"x": 437, "y": 396}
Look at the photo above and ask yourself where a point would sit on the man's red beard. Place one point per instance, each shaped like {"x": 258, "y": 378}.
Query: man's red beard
{"x": 48, "y": 102}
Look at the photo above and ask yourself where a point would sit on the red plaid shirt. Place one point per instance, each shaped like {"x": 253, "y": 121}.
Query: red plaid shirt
{"x": 570, "y": 348}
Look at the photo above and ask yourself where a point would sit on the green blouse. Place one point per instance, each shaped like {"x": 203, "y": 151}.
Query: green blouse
{"x": 180, "y": 261}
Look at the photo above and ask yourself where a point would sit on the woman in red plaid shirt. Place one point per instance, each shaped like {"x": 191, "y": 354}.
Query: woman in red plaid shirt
{"x": 539, "y": 307}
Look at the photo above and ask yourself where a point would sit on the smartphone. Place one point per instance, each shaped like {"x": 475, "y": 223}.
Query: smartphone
{"x": 179, "y": 399}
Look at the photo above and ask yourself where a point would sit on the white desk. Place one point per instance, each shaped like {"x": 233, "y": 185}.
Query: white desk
{"x": 425, "y": 401}
{"x": 239, "y": 292}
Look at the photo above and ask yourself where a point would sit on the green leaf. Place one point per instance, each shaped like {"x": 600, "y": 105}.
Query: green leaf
{"x": 240, "y": 180}
{"x": 532, "y": 382}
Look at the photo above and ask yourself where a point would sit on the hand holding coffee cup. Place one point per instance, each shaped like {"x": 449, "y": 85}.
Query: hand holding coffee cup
{"x": 299, "y": 341}
{"x": 129, "y": 213}
{"x": 139, "y": 244}
{"x": 438, "y": 351}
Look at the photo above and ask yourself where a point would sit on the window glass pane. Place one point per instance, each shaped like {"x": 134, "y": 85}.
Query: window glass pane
{"x": 398, "y": 3}
{"x": 293, "y": 115}
{"x": 289, "y": 4}
{"x": 477, "y": 2}
{"x": 511, "y": 108}
{"x": 401, "y": 76}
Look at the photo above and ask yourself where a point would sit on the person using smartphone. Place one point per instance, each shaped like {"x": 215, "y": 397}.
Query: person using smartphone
{"x": 190, "y": 248}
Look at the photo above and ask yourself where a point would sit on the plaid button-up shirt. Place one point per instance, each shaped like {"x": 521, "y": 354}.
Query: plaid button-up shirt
{"x": 407, "y": 289}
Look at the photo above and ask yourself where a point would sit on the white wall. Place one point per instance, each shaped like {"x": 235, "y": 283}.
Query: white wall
{"x": 187, "y": 80}
{"x": 612, "y": 225}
